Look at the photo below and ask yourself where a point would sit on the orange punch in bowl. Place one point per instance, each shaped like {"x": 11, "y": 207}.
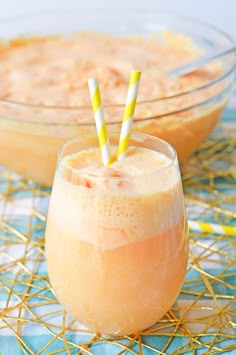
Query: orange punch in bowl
{"x": 44, "y": 97}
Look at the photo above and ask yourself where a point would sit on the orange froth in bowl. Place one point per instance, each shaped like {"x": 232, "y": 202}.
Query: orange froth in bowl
{"x": 44, "y": 98}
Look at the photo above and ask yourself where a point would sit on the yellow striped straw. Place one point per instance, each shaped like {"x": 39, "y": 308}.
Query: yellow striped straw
{"x": 129, "y": 113}
{"x": 99, "y": 120}
{"x": 212, "y": 228}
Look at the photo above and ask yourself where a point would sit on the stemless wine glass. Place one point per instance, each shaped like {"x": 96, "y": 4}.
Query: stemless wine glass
{"x": 116, "y": 244}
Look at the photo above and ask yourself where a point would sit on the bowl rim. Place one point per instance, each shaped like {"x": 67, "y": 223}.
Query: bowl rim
{"x": 187, "y": 19}
{"x": 226, "y": 90}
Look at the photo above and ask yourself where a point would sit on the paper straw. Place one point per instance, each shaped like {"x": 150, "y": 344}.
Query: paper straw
{"x": 129, "y": 113}
{"x": 100, "y": 122}
{"x": 212, "y": 228}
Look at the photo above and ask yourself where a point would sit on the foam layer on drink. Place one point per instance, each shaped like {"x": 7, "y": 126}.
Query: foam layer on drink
{"x": 134, "y": 199}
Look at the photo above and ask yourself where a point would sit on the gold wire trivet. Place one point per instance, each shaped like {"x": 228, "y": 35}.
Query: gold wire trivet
{"x": 203, "y": 319}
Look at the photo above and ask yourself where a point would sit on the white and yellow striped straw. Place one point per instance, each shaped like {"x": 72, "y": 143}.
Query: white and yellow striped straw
{"x": 212, "y": 228}
{"x": 100, "y": 122}
{"x": 129, "y": 113}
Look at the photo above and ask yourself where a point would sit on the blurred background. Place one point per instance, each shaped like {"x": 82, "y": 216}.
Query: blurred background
{"x": 220, "y": 13}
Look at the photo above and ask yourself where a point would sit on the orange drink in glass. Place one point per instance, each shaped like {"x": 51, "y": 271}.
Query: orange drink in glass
{"x": 116, "y": 238}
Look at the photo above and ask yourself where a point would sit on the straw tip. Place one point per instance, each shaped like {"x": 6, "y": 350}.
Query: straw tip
{"x": 92, "y": 81}
{"x": 135, "y": 75}
{"x": 92, "y": 85}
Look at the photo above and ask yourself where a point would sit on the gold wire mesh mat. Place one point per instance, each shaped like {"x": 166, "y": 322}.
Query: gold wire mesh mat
{"x": 203, "y": 319}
